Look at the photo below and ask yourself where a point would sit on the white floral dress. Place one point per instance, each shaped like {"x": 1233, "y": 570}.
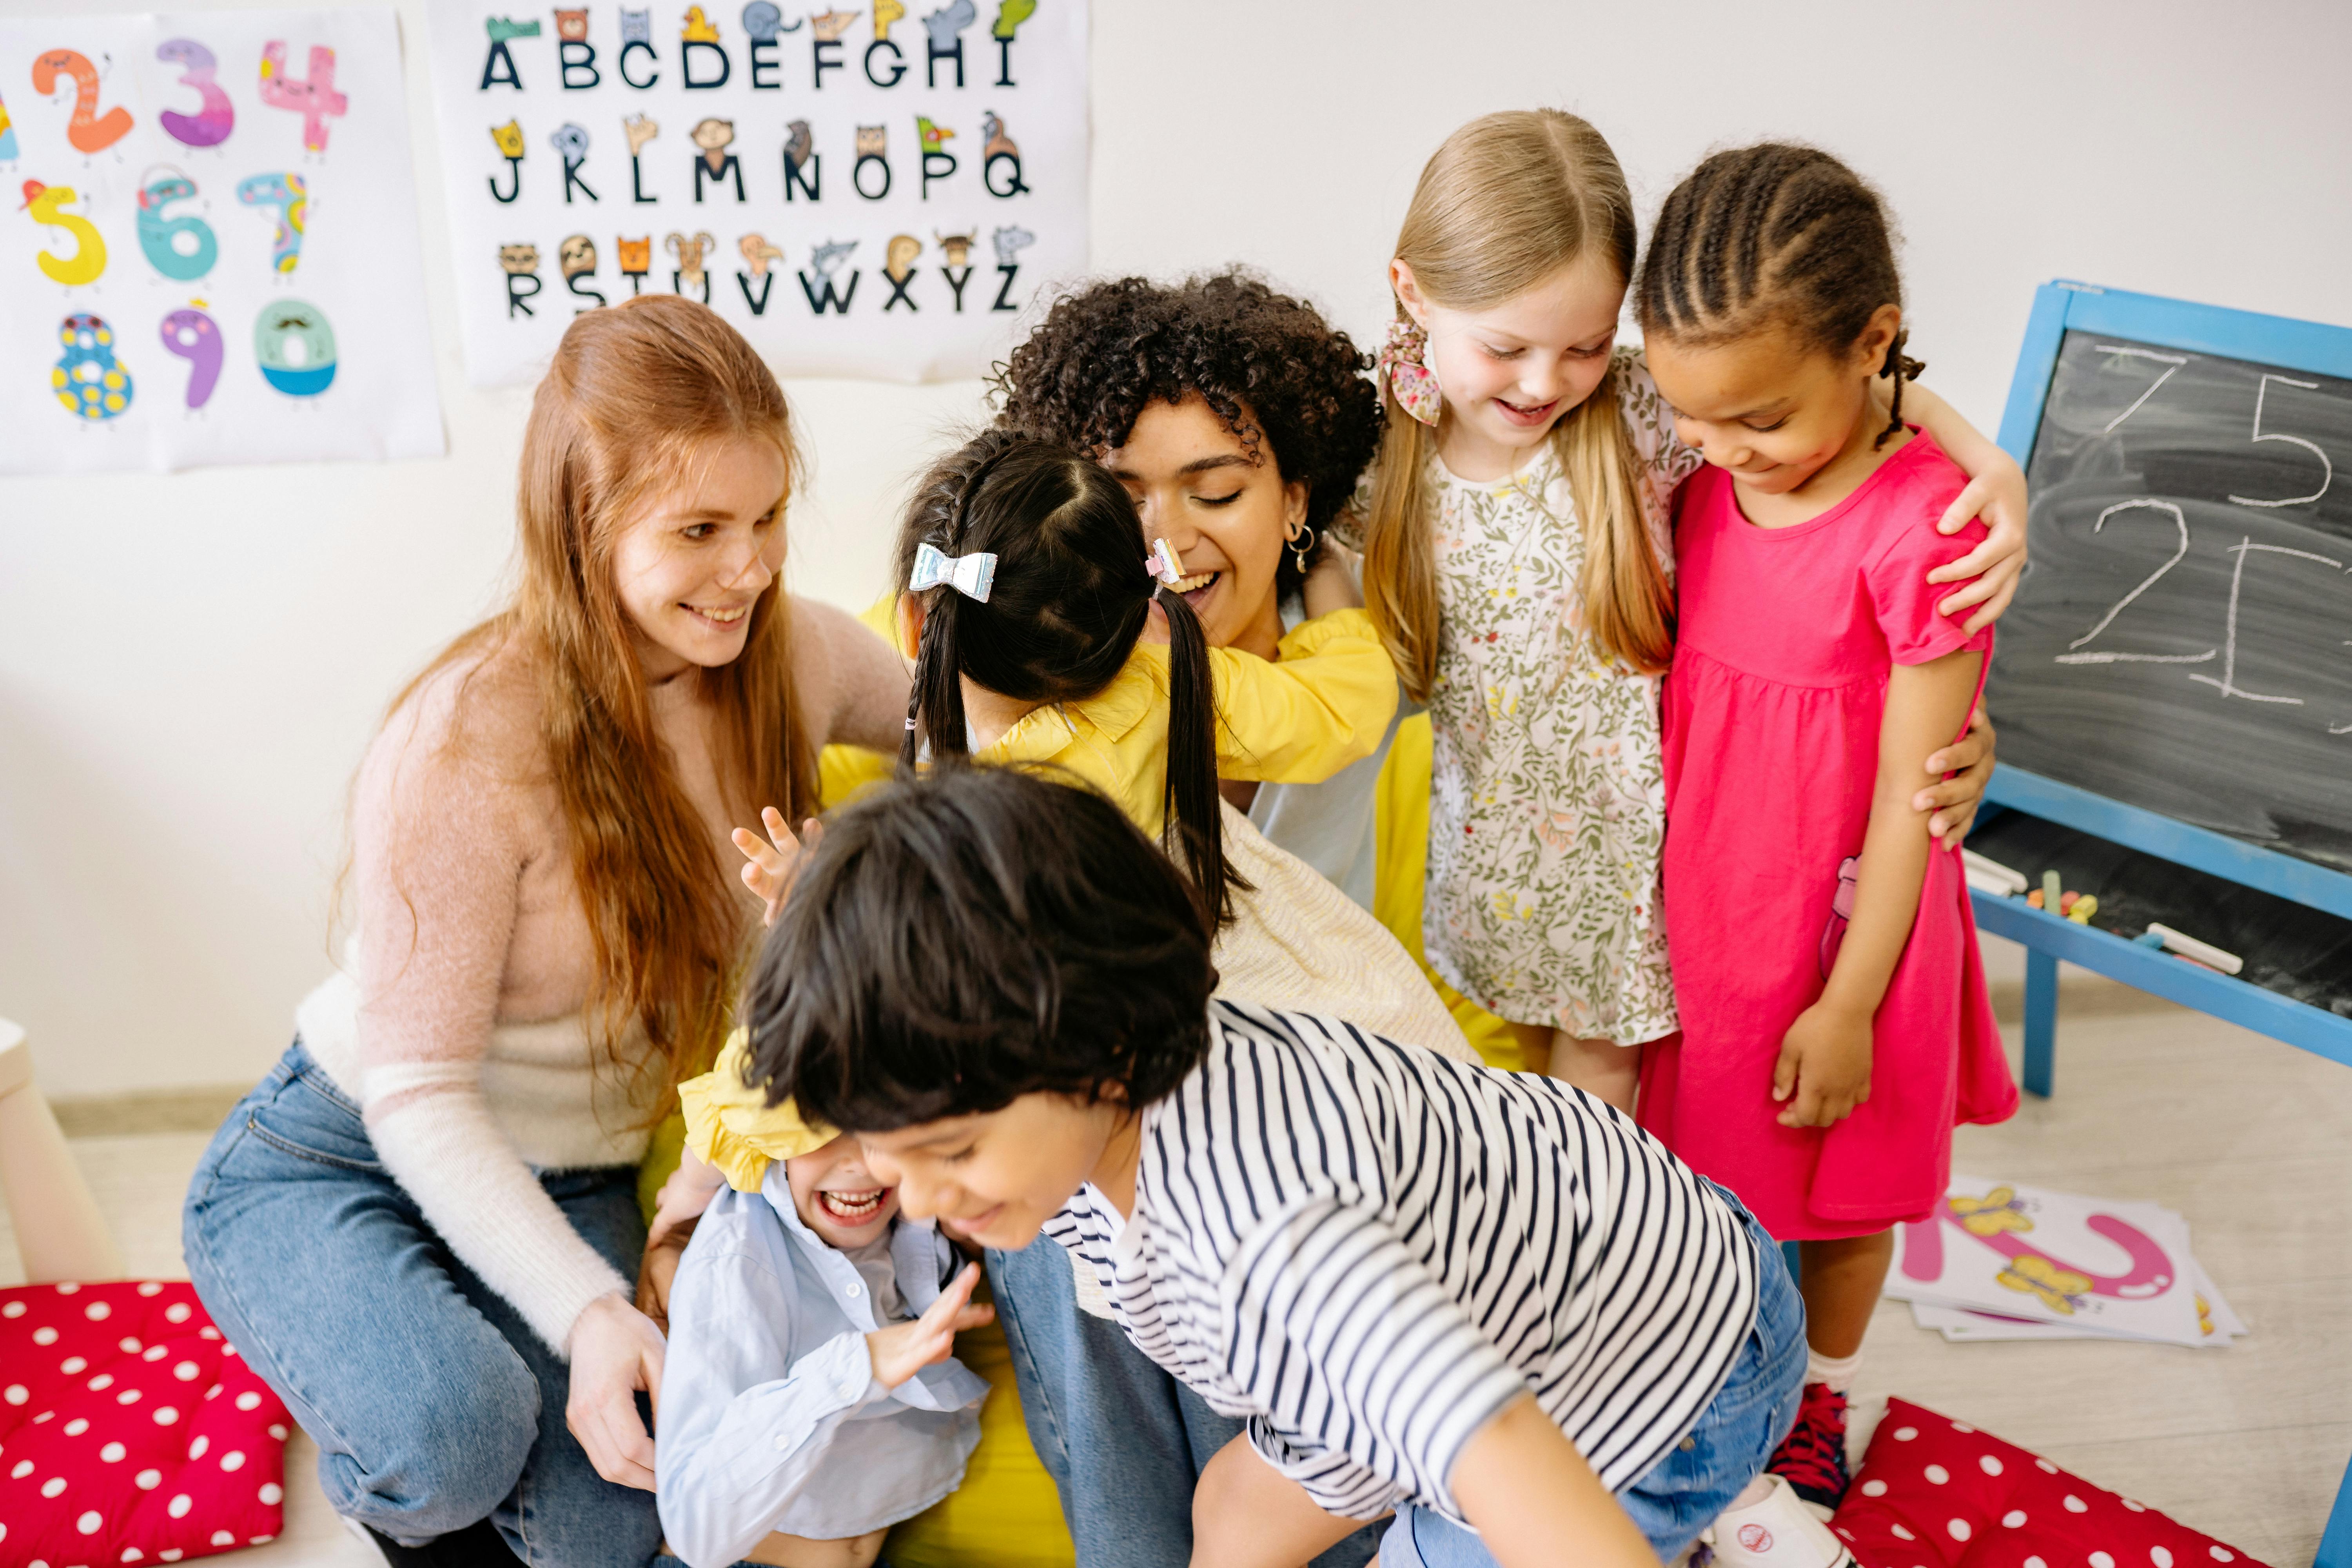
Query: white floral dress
{"x": 1548, "y": 801}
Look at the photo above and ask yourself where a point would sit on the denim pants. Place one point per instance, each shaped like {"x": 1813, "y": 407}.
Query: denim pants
{"x": 1123, "y": 1440}
{"x": 433, "y": 1404}
{"x": 1681, "y": 1494}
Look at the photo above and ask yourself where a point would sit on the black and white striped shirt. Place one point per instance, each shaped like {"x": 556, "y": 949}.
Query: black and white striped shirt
{"x": 1369, "y": 1250}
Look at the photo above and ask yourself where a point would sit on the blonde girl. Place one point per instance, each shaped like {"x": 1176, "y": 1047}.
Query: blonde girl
{"x": 1518, "y": 568}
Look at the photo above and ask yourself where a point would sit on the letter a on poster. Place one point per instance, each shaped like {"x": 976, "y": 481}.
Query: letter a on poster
{"x": 877, "y": 192}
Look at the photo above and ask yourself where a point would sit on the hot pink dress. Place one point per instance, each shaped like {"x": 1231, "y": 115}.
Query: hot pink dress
{"x": 1770, "y": 718}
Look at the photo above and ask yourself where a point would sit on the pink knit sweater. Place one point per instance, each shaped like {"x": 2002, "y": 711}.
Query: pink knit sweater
{"x": 459, "y": 1022}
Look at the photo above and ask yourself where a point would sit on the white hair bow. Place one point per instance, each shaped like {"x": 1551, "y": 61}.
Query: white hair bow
{"x": 971, "y": 575}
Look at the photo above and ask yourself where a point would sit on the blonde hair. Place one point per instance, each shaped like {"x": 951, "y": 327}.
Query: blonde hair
{"x": 1504, "y": 203}
{"x": 636, "y": 398}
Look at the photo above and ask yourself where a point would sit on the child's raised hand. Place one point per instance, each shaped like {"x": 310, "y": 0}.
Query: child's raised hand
{"x": 902, "y": 1350}
{"x": 768, "y": 867}
{"x": 1824, "y": 1067}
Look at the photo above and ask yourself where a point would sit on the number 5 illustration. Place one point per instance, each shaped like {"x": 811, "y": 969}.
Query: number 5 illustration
{"x": 2327, "y": 469}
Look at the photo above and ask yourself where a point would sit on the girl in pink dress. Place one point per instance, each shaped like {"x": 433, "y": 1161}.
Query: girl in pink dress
{"x": 1835, "y": 1025}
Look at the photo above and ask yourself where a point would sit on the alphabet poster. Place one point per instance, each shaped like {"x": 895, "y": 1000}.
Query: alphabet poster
{"x": 876, "y": 191}
{"x": 208, "y": 243}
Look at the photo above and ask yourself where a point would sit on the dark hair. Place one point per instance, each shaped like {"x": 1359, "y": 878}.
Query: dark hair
{"x": 973, "y": 935}
{"x": 1069, "y": 598}
{"x": 1775, "y": 234}
{"x": 1282, "y": 379}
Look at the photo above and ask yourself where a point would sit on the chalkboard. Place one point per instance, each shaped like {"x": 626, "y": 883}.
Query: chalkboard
{"x": 2182, "y": 640}
{"x": 2288, "y": 948}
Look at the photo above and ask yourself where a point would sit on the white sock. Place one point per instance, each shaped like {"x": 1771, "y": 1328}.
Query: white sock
{"x": 1836, "y": 1371}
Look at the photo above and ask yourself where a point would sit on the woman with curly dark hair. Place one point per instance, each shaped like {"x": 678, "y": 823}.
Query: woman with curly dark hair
{"x": 1239, "y": 419}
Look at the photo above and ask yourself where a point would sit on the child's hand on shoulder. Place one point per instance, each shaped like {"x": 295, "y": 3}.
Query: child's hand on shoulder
{"x": 1824, "y": 1067}
{"x": 768, "y": 867}
{"x": 1331, "y": 585}
{"x": 902, "y": 1350}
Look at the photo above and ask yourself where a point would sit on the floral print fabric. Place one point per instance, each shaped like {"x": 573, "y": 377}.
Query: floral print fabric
{"x": 1548, "y": 806}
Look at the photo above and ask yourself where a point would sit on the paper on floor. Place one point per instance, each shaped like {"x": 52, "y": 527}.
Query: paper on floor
{"x": 2002, "y": 1261}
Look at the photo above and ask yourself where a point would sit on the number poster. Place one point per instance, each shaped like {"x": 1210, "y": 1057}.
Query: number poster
{"x": 209, "y": 246}
{"x": 873, "y": 191}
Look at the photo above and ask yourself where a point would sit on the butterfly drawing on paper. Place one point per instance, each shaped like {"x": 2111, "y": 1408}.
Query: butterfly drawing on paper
{"x": 1997, "y": 1211}
{"x": 2060, "y": 1289}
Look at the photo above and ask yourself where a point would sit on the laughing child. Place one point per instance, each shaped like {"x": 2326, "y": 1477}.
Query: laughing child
{"x": 809, "y": 1401}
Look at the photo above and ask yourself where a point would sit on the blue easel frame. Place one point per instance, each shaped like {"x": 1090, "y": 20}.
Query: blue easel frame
{"x": 2060, "y": 308}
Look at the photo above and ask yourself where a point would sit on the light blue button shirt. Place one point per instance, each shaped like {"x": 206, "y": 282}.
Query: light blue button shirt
{"x": 770, "y": 1414}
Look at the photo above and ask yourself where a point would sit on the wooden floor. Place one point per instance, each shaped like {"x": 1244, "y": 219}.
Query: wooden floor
{"x": 2251, "y": 1139}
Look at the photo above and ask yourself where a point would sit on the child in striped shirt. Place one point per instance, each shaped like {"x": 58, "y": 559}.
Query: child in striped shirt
{"x": 1480, "y": 1301}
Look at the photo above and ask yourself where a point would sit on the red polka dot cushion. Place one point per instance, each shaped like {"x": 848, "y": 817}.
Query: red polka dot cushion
{"x": 130, "y": 1431}
{"x": 1937, "y": 1493}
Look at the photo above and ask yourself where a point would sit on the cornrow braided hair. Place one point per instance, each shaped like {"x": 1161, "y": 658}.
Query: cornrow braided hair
{"x": 1775, "y": 234}
{"x": 1069, "y": 600}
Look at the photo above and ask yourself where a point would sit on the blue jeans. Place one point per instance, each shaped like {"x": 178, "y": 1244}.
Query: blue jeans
{"x": 1681, "y": 1494}
{"x": 433, "y": 1404}
{"x": 1123, "y": 1440}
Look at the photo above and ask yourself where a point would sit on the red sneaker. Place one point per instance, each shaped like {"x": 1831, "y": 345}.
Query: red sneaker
{"x": 1812, "y": 1457}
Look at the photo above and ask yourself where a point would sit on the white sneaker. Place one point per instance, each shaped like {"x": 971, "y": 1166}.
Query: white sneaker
{"x": 1778, "y": 1532}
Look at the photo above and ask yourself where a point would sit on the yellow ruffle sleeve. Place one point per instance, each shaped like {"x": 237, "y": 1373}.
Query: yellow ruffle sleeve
{"x": 730, "y": 1125}
{"x": 1327, "y": 702}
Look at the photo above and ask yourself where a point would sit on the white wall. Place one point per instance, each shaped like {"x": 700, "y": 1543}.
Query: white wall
{"x": 189, "y": 666}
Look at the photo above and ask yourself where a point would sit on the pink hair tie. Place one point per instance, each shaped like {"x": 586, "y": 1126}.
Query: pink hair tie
{"x": 1411, "y": 383}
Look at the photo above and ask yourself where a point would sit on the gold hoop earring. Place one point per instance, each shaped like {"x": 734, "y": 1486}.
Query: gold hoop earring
{"x": 1300, "y": 543}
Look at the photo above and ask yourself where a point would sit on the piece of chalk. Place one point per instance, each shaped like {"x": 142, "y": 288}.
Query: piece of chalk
{"x": 2034, "y": 898}
{"x": 1992, "y": 874}
{"x": 2149, "y": 939}
{"x": 2053, "y": 889}
{"x": 2082, "y": 907}
{"x": 2203, "y": 953}
{"x": 2067, "y": 901}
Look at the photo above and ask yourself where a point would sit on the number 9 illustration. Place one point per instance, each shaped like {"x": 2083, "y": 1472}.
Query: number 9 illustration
{"x": 296, "y": 348}
{"x": 289, "y": 197}
{"x": 194, "y": 336}
{"x": 162, "y": 237}
{"x": 88, "y": 379}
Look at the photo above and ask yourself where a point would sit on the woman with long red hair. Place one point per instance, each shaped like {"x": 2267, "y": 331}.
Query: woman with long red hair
{"x": 421, "y": 1229}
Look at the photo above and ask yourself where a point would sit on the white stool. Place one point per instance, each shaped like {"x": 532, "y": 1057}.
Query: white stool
{"x": 60, "y": 1235}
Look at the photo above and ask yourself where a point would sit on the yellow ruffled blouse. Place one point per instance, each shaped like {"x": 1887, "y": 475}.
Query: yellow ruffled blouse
{"x": 1326, "y": 703}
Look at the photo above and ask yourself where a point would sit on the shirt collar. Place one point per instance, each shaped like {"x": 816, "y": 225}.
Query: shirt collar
{"x": 1110, "y": 713}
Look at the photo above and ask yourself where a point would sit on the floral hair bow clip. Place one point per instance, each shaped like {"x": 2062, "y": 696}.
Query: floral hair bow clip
{"x": 971, "y": 575}
{"x": 1409, "y": 380}
{"x": 1162, "y": 563}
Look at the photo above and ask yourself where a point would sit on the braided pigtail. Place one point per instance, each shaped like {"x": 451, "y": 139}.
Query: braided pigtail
{"x": 935, "y": 703}
{"x": 1190, "y": 802}
{"x": 1900, "y": 367}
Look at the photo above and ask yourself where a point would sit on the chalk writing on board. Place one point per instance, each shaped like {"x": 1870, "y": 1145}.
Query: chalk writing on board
{"x": 2182, "y": 640}
{"x": 2174, "y": 361}
{"x": 2327, "y": 469}
{"x": 2142, "y": 586}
